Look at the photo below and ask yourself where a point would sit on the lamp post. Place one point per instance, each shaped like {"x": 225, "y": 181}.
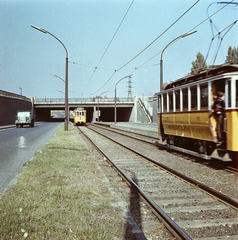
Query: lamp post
{"x": 115, "y": 109}
{"x": 66, "y": 121}
{"x": 57, "y": 77}
{"x": 161, "y": 61}
{"x": 60, "y": 91}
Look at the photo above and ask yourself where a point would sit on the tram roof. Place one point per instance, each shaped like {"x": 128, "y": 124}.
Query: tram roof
{"x": 79, "y": 109}
{"x": 203, "y": 74}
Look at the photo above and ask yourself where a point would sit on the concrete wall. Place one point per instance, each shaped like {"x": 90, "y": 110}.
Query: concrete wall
{"x": 8, "y": 108}
{"x": 139, "y": 114}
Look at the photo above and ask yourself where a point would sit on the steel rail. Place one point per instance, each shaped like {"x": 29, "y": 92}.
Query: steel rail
{"x": 103, "y": 126}
{"x": 165, "y": 146}
{"x": 169, "y": 223}
{"x": 202, "y": 186}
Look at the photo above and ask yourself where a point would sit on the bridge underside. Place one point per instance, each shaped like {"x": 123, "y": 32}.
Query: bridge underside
{"x": 106, "y": 113}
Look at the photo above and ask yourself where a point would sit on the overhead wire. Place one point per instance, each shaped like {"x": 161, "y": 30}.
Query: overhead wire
{"x": 136, "y": 68}
{"x": 211, "y": 22}
{"x": 219, "y": 33}
{"x": 83, "y": 65}
{"x": 222, "y": 40}
{"x": 115, "y": 33}
{"x": 188, "y": 31}
{"x": 95, "y": 68}
{"x": 148, "y": 45}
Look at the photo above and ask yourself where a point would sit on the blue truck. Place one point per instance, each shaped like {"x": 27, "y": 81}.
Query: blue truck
{"x": 24, "y": 118}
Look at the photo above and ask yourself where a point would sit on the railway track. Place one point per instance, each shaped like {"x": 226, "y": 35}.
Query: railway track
{"x": 144, "y": 138}
{"x": 157, "y": 142}
{"x": 188, "y": 211}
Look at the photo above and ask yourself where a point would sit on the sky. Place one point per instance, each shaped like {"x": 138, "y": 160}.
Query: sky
{"x": 106, "y": 41}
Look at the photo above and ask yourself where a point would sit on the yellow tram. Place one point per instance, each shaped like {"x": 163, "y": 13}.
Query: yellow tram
{"x": 79, "y": 116}
{"x": 184, "y": 107}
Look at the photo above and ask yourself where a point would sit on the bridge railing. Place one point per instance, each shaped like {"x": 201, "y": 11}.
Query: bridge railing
{"x": 13, "y": 95}
{"x": 82, "y": 100}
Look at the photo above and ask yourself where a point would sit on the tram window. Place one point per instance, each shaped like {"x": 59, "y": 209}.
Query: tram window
{"x": 193, "y": 97}
{"x": 185, "y": 98}
{"x": 177, "y": 100}
{"x": 82, "y": 113}
{"x": 204, "y": 96}
{"x": 171, "y": 105}
{"x": 229, "y": 93}
{"x": 236, "y": 93}
{"x": 165, "y": 102}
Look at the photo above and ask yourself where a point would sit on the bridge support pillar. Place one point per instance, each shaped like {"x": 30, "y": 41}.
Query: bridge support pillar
{"x": 94, "y": 113}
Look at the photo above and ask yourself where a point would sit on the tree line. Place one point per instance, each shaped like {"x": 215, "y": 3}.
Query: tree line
{"x": 200, "y": 64}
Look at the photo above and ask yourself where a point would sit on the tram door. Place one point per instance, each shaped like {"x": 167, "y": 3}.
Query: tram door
{"x": 219, "y": 86}
{"x": 160, "y": 124}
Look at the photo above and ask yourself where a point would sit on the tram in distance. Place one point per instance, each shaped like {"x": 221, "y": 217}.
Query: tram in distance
{"x": 79, "y": 116}
{"x": 186, "y": 117}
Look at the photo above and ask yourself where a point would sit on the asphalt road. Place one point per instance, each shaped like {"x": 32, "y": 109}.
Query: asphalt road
{"x": 17, "y": 146}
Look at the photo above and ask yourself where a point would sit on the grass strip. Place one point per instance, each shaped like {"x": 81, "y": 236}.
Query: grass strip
{"x": 60, "y": 195}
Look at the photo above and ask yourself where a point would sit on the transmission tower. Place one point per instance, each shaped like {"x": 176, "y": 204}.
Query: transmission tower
{"x": 129, "y": 96}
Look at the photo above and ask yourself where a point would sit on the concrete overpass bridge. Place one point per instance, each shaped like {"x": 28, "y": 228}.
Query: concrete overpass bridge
{"x": 106, "y": 106}
{"x": 138, "y": 109}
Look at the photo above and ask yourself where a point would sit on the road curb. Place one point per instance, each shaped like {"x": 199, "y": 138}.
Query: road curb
{"x": 6, "y": 127}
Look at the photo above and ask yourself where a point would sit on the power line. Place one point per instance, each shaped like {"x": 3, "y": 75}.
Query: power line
{"x": 219, "y": 35}
{"x": 222, "y": 40}
{"x": 91, "y": 66}
{"x": 211, "y": 22}
{"x": 148, "y": 45}
{"x": 115, "y": 33}
{"x": 109, "y": 44}
{"x": 160, "y": 36}
{"x": 211, "y": 15}
{"x": 219, "y": 32}
{"x": 189, "y": 31}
